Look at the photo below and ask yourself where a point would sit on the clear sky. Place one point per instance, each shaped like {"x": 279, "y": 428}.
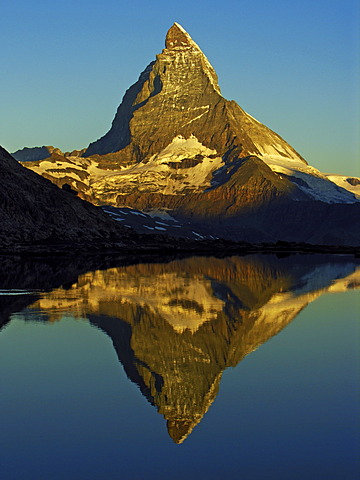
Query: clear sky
{"x": 292, "y": 65}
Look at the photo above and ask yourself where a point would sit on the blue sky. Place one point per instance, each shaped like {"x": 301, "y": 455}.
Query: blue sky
{"x": 292, "y": 65}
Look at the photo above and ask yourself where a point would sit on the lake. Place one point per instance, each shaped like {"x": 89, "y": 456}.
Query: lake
{"x": 172, "y": 368}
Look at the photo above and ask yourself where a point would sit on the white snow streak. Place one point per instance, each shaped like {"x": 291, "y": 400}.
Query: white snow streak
{"x": 196, "y": 118}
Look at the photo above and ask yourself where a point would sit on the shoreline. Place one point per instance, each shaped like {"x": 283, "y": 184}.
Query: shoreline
{"x": 218, "y": 247}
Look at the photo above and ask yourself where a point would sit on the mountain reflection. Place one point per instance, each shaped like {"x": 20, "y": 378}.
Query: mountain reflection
{"x": 177, "y": 326}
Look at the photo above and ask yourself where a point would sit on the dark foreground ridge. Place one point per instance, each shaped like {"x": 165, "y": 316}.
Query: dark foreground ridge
{"x": 34, "y": 211}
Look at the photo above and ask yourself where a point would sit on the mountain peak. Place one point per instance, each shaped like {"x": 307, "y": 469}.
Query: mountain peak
{"x": 178, "y": 38}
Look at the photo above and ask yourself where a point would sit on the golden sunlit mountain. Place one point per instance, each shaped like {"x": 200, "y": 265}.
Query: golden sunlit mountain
{"x": 177, "y": 146}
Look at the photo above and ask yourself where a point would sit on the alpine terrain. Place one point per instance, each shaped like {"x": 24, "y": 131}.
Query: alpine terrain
{"x": 177, "y": 149}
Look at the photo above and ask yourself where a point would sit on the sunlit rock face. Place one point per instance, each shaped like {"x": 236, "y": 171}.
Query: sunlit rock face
{"x": 178, "y": 94}
{"x": 177, "y": 326}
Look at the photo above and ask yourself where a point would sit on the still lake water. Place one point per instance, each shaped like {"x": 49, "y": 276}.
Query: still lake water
{"x": 240, "y": 367}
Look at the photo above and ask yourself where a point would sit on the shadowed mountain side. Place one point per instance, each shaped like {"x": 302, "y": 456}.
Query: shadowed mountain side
{"x": 35, "y": 154}
{"x": 316, "y": 223}
{"x": 177, "y": 326}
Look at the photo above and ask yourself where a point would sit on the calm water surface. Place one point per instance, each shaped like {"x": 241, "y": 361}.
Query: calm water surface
{"x": 242, "y": 367}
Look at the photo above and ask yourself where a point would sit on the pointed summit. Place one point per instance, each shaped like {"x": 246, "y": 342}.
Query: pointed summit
{"x": 177, "y": 37}
{"x": 178, "y": 94}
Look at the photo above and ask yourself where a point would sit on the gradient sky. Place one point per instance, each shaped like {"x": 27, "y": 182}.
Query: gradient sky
{"x": 292, "y": 65}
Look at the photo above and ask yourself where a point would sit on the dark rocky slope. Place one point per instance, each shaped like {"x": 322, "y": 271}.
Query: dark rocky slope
{"x": 32, "y": 209}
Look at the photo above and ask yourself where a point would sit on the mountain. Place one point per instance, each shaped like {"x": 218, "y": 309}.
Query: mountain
{"x": 28, "y": 154}
{"x": 33, "y": 210}
{"x": 178, "y": 95}
{"x": 35, "y": 154}
{"x": 177, "y": 326}
{"x": 177, "y": 146}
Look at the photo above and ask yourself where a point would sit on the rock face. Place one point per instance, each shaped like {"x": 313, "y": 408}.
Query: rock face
{"x": 32, "y": 209}
{"x": 178, "y": 146}
{"x": 178, "y": 94}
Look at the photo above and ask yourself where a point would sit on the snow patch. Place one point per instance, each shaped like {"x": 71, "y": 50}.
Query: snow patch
{"x": 14, "y": 291}
{"x": 181, "y": 148}
{"x": 181, "y": 28}
{"x": 311, "y": 181}
{"x": 158, "y": 175}
{"x": 278, "y": 151}
{"x": 160, "y": 214}
{"x": 257, "y": 121}
{"x": 342, "y": 181}
{"x": 138, "y": 213}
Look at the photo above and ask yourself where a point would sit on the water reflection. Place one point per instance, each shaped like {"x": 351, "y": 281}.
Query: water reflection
{"x": 176, "y": 326}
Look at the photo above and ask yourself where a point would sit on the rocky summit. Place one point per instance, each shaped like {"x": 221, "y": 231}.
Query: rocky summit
{"x": 178, "y": 96}
{"x": 176, "y": 145}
